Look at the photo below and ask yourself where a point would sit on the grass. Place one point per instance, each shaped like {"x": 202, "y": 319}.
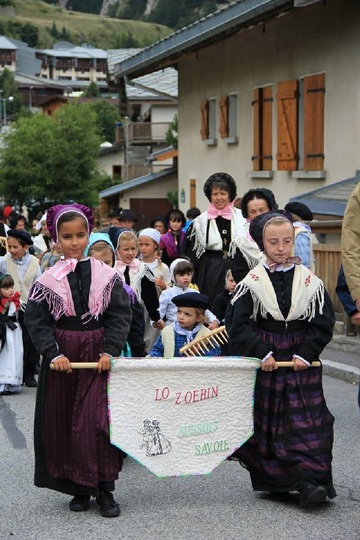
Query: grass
{"x": 101, "y": 32}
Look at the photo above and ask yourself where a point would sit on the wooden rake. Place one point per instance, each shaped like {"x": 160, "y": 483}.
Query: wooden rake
{"x": 200, "y": 345}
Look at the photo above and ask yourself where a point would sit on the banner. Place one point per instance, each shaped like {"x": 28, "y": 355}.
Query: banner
{"x": 181, "y": 416}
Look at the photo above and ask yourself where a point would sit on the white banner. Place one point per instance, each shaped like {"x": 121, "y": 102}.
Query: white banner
{"x": 181, "y": 416}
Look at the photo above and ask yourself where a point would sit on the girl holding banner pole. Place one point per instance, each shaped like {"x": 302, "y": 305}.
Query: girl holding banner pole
{"x": 281, "y": 312}
{"x": 77, "y": 311}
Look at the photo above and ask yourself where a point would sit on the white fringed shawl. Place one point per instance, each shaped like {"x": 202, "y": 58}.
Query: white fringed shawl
{"x": 308, "y": 293}
{"x": 199, "y": 229}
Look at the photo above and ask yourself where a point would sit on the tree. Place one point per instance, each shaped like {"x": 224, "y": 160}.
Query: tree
{"x": 52, "y": 159}
{"x": 171, "y": 135}
{"x": 106, "y": 117}
{"x": 92, "y": 90}
{"x": 9, "y": 88}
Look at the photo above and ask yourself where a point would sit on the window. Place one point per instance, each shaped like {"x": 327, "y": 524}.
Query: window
{"x": 300, "y": 124}
{"x": 116, "y": 171}
{"x": 208, "y": 121}
{"x": 262, "y": 115}
{"x": 228, "y": 118}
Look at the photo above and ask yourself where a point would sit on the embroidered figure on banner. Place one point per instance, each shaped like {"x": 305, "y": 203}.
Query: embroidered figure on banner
{"x": 154, "y": 442}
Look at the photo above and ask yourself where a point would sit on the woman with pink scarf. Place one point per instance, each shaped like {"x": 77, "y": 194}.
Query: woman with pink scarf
{"x": 210, "y": 236}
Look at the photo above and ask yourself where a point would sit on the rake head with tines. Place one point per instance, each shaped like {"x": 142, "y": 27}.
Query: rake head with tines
{"x": 200, "y": 346}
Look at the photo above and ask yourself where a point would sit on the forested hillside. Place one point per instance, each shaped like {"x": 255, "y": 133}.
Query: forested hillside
{"x": 172, "y": 13}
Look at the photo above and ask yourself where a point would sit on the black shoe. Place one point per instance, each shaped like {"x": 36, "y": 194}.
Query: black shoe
{"x": 108, "y": 506}
{"x": 79, "y": 503}
{"x": 311, "y": 496}
{"x": 30, "y": 382}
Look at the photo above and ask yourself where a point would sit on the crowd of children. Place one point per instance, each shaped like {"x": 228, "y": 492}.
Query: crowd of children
{"x": 97, "y": 295}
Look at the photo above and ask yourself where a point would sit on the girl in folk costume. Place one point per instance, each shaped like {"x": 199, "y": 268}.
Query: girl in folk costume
{"x": 11, "y": 352}
{"x": 149, "y": 241}
{"x": 172, "y": 240}
{"x": 24, "y": 269}
{"x": 281, "y": 312}
{"x": 190, "y": 317}
{"x": 100, "y": 247}
{"x": 134, "y": 272}
{"x": 245, "y": 253}
{"x": 77, "y": 311}
{"x": 210, "y": 237}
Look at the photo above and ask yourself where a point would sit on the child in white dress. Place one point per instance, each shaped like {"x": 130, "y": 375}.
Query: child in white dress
{"x": 149, "y": 242}
{"x": 11, "y": 353}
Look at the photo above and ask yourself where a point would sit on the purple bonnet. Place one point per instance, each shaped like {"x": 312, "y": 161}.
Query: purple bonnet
{"x": 55, "y": 212}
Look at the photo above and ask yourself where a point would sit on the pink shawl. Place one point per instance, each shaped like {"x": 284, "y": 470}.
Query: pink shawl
{"x": 58, "y": 296}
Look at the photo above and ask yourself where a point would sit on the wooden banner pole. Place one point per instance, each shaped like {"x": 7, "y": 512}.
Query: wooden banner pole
{"x": 94, "y": 365}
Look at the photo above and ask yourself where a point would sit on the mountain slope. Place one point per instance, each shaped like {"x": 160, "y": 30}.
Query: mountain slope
{"x": 47, "y": 23}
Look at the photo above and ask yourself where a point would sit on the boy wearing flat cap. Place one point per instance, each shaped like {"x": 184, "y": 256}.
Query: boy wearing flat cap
{"x": 24, "y": 269}
{"x": 189, "y": 325}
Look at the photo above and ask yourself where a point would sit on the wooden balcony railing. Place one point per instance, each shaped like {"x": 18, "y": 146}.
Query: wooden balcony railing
{"x": 142, "y": 132}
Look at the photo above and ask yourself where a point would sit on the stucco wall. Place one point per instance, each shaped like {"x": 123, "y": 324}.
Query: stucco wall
{"x": 152, "y": 190}
{"x": 319, "y": 38}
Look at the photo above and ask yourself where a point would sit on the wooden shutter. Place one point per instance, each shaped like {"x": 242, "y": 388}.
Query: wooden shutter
{"x": 204, "y": 108}
{"x": 314, "y": 101}
{"x": 287, "y": 128}
{"x": 256, "y": 158}
{"x": 224, "y": 116}
{"x": 267, "y": 107}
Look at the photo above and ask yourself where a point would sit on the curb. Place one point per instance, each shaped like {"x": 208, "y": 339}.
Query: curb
{"x": 344, "y": 372}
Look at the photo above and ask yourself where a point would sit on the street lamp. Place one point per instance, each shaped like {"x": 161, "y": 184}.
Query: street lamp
{"x": 9, "y": 99}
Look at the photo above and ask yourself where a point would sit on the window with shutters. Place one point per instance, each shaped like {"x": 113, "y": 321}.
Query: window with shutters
{"x": 228, "y": 118}
{"x": 300, "y": 124}
{"x": 208, "y": 121}
{"x": 262, "y": 117}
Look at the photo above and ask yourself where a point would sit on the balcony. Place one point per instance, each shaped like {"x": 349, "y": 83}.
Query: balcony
{"x": 142, "y": 133}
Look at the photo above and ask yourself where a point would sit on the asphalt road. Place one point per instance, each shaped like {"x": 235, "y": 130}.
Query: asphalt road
{"x": 219, "y": 506}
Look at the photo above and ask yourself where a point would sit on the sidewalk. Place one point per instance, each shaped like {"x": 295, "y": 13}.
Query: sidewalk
{"x": 341, "y": 358}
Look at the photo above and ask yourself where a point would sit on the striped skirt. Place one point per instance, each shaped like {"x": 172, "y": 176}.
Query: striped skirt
{"x": 293, "y": 428}
{"x": 79, "y": 454}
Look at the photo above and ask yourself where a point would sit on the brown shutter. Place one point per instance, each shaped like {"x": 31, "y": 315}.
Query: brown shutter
{"x": 287, "y": 141}
{"x": 256, "y": 158}
{"x": 267, "y": 107}
{"x": 204, "y": 107}
{"x": 224, "y": 116}
{"x": 314, "y": 100}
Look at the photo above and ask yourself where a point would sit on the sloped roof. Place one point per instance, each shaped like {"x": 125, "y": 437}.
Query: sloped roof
{"x": 330, "y": 200}
{"x": 119, "y": 188}
{"x": 216, "y": 26}
{"x": 164, "y": 81}
{"x": 75, "y": 51}
{"x": 5, "y": 43}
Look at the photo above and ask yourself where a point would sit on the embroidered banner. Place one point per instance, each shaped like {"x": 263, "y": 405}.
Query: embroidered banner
{"x": 181, "y": 416}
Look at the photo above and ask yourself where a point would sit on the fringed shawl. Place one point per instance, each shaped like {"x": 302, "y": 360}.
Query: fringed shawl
{"x": 307, "y": 294}
{"x": 199, "y": 232}
{"x": 135, "y": 278}
{"x": 57, "y": 294}
{"x": 249, "y": 249}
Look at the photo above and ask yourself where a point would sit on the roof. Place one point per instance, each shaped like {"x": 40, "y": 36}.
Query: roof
{"x": 75, "y": 52}
{"x": 226, "y": 21}
{"x": 163, "y": 81}
{"x": 119, "y": 188}
{"x": 330, "y": 200}
{"x": 5, "y": 43}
